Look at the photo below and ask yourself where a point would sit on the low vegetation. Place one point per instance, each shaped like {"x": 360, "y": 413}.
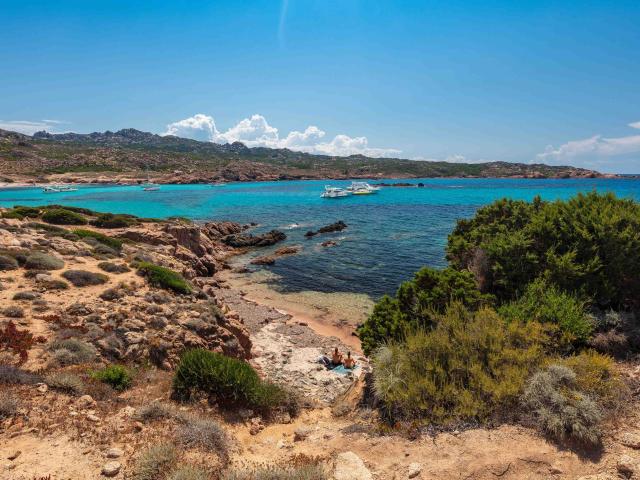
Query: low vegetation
{"x": 110, "y": 242}
{"x": 12, "y": 375}
{"x": 113, "y": 220}
{"x": 43, "y": 261}
{"x": 8, "y": 262}
{"x": 8, "y": 405}
{"x": 72, "y": 351}
{"x": 155, "y": 462}
{"x": 118, "y": 377}
{"x": 63, "y": 216}
{"x": 17, "y": 342}
{"x": 163, "y": 277}
{"x": 64, "y": 382}
{"x": 83, "y": 278}
{"x": 189, "y": 473}
{"x": 228, "y": 380}
{"x": 308, "y": 471}
{"x": 113, "y": 267}
{"x": 503, "y": 332}
{"x": 205, "y": 434}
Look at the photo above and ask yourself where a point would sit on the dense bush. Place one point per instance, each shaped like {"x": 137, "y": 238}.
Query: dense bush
{"x": 164, "y": 277}
{"x": 230, "y": 381}
{"x": 560, "y": 409}
{"x": 155, "y": 411}
{"x": 12, "y": 375}
{"x": 110, "y": 242}
{"x": 50, "y": 229}
{"x": 20, "y": 212}
{"x": 544, "y": 303}
{"x": 43, "y": 261}
{"x": 63, "y": 216}
{"x": 8, "y": 262}
{"x": 467, "y": 367}
{"x": 83, "y": 278}
{"x": 65, "y": 382}
{"x": 154, "y": 462}
{"x": 13, "y": 311}
{"x": 113, "y": 267}
{"x": 589, "y": 245}
{"x": 26, "y": 295}
{"x": 118, "y": 377}
{"x": 112, "y": 220}
{"x": 416, "y": 303}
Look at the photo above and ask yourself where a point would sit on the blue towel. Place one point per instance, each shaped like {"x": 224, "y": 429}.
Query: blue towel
{"x": 341, "y": 369}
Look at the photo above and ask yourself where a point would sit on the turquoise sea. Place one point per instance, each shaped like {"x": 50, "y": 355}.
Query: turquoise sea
{"x": 390, "y": 234}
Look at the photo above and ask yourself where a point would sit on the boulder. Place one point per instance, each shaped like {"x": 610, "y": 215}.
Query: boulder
{"x": 348, "y": 466}
{"x": 247, "y": 240}
{"x": 111, "y": 469}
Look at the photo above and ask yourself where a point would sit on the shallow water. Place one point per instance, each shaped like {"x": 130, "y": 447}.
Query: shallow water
{"x": 390, "y": 234}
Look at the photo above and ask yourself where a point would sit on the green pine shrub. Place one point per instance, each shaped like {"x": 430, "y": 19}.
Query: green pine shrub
{"x": 588, "y": 245}
{"x": 63, "y": 216}
{"x": 118, "y": 377}
{"x": 163, "y": 277}
{"x": 114, "y": 220}
{"x": 468, "y": 367}
{"x": 416, "y": 303}
{"x": 110, "y": 242}
{"x": 545, "y": 303}
{"x": 230, "y": 381}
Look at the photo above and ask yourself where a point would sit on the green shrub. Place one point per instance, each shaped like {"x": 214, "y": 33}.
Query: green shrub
{"x": 50, "y": 229}
{"x": 164, "y": 277}
{"x": 63, "y": 216}
{"x": 113, "y": 267}
{"x": 117, "y": 376}
{"x": 597, "y": 375}
{"x": 154, "y": 462}
{"x": 231, "y": 381}
{"x": 111, "y": 220}
{"x": 467, "y": 367}
{"x": 416, "y": 303}
{"x": 8, "y": 263}
{"x": 560, "y": 409}
{"x": 110, "y": 242}
{"x": 189, "y": 473}
{"x": 82, "y": 210}
{"x": 65, "y": 382}
{"x": 544, "y": 303}
{"x": 43, "y": 261}
{"x": 588, "y": 245}
{"x": 20, "y": 212}
{"x": 83, "y": 278}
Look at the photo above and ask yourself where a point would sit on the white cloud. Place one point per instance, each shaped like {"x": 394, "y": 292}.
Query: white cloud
{"x": 29, "y": 127}
{"x": 256, "y": 132}
{"x": 592, "y": 150}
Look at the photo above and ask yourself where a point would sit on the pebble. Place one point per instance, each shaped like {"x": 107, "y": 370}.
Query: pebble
{"x": 111, "y": 469}
{"x": 93, "y": 418}
{"x": 414, "y": 470}
{"x": 42, "y": 388}
{"x": 14, "y": 455}
{"x": 114, "y": 453}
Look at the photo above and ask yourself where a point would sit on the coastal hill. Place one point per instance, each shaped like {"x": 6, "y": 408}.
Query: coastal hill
{"x": 130, "y": 155}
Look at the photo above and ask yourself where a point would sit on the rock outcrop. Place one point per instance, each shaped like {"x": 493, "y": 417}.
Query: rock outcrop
{"x": 248, "y": 240}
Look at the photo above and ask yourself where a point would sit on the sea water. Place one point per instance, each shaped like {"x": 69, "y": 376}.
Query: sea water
{"x": 390, "y": 234}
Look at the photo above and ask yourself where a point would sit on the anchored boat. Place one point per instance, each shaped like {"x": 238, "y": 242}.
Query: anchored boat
{"x": 334, "y": 192}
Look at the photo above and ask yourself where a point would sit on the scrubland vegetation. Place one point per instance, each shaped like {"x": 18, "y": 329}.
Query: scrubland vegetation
{"x": 520, "y": 325}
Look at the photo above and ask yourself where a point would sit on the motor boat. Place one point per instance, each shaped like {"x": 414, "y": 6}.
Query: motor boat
{"x": 58, "y": 189}
{"x": 50, "y": 189}
{"x": 151, "y": 188}
{"x": 66, "y": 188}
{"x": 362, "y": 188}
{"x": 334, "y": 192}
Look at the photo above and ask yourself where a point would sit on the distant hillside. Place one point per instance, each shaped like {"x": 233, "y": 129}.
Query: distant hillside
{"x": 131, "y": 155}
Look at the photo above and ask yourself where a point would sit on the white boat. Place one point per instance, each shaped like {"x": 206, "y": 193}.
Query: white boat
{"x": 151, "y": 188}
{"x": 66, "y": 188}
{"x": 50, "y": 189}
{"x": 334, "y": 192}
{"x": 362, "y": 188}
{"x": 58, "y": 189}
{"x": 219, "y": 184}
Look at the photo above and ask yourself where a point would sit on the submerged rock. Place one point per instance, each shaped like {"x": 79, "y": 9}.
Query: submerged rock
{"x": 333, "y": 227}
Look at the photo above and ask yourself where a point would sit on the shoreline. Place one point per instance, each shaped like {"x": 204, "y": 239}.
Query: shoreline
{"x": 160, "y": 181}
{"x": 327, "y": 314}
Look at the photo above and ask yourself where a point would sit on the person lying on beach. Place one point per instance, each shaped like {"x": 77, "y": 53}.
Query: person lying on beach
{"x": 336, "y": 359}
{"x": 349, "y": 362}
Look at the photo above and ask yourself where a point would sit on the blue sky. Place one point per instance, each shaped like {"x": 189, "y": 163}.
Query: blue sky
{"x": 553, "y": 81}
